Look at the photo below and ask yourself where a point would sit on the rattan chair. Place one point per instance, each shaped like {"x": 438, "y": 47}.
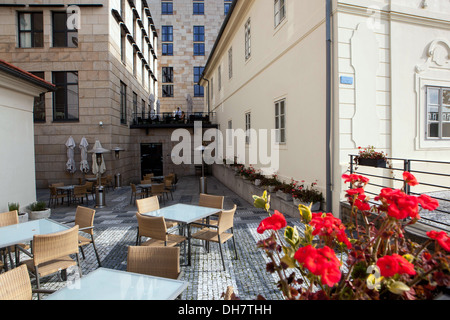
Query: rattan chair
{"x": 55, "y": 196}
{"x": 79, "y": 193}
{"x": 84, "y": 219}
{"x": 218, "y": 233}
{"x": 135, "y": 193}
{"x": 152, "y": 204}
{"x": 161, "y": 262}
{"x": 51, "y": 254}
{"x": 16, "y": 285}
{"x": 7, "y": 219}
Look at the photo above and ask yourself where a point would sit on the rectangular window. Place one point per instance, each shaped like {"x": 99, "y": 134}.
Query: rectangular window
{"x": 198, "y": 7}
{"x": 280, "y": 121}
{"x": 62, "y": 36}
{"x": 199, "y": 40}
{"x": 230, "y": 63}
{"x": 248, "y": 42}
{"x": 123, "y": 103}
{"x": 280, "y": 11}
{"x": 167, "y": 77}
{"x": 248, "y": 126}
{"x": 31, "y": 30}
{"x": 198, "y": 90}
{"x": 39, "y": 102}
{"x": 438, "y": 113}
{"x": 167, "y": 40}
{"x": 227, "y": 5}
{"x": 166, "y": 7}
{"x": 65, "y": 98}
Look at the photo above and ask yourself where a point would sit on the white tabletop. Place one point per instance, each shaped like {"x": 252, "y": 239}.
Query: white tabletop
{"x": 107, "y": 284}
{"x": 183, "y": 213}
{"x": 23, "y": 232}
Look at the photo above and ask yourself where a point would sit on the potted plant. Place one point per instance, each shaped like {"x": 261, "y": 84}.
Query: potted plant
{"x": 23, "y": 216}
{"x": 39, "y": 210}
{"x": 310, "y": 195}
{"x": 370, "y": 157}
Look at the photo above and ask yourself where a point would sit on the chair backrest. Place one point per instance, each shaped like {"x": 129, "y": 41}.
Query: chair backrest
{"x": 147, "y": 204}
{"x": 84, "y": 218}
{"x": 15, "y": 284}
{"x": 226, "y": 220}
{"x": 55, "y": 245}
{"x": 211, "y": 201}
{"x": 157, "y": 188}
{"x": 155, "y": 261}
{"x": 9, "y": 218}
{"x": 152, "y": 227}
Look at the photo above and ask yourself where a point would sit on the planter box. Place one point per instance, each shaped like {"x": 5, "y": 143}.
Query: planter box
{"x": 36, "y": 215}
{"x": 378, "y": 163}
{"x": 284, "y": 196}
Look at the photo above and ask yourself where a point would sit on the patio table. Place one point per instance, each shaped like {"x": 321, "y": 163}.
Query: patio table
{"x": 108, "y": 284}
{"x": 185, "y": 215}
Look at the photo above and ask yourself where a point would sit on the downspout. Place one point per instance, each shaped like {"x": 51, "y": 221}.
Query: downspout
{"x": 329, "y": 181}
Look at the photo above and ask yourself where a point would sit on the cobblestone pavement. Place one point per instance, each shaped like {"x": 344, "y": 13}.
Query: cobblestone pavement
{"x": 116, "y": 226}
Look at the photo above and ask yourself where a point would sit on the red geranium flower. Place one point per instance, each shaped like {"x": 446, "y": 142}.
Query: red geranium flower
{"x": 441, "y": 237}
{"x": 410, "y": 179}
{"x": 274, "y": 222}
{"x": 391, "y": 265}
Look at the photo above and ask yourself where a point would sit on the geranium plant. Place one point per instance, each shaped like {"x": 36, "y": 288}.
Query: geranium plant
{"x": 372, "y": 259}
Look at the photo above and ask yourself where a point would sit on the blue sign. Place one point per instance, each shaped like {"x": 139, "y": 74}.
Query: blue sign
{"x": 346, "y": 80}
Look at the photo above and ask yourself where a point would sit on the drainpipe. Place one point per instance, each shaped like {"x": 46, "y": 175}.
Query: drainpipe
{"x": 329, "y": 181}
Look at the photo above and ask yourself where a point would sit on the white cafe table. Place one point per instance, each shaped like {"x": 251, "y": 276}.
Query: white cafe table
{"x": 108, "y": 284}
{"x": 185, "y": 215}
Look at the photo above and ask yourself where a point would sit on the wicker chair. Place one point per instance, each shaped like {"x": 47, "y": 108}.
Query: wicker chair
{"x": 16, "y": 285}
{"x": 7, "y": 219}
{"x": 84, "y": 219}
{"x": 151, "y": 204}
{"x": 79, "y": 193}
{"x": 219, "y": 234}
{"x": 51, "y": 254}
{"x": 161, "y": 262}
{"x": 55, "y": 196}
{"x": 136, "y": 193}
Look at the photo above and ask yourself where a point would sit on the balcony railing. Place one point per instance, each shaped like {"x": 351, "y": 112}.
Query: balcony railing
{"x": 433, "y": 177}
{"x": 169, "y": 120}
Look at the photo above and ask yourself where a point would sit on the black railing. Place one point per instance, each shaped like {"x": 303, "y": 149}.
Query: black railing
{"x": 441, "y": 170}
{"x": 169, "y": 118}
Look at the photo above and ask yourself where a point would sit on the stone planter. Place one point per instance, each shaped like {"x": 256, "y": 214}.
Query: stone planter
{"x": 284, "y": 196}
{"x": 23, "y": 217}
{"x": 36, "y": 215}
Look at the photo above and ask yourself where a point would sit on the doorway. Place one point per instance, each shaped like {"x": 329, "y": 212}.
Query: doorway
{"x": 152, "y": 159}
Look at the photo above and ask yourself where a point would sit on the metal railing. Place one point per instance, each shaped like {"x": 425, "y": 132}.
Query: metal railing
{"x": 170, "y": 118}
{"x": 387, "y": 174}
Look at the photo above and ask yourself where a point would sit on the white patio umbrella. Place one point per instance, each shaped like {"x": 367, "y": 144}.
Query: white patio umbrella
{"x": 70, "y": 165}
{"x": 84, "y": 164}
{"x": 95, "y": 167}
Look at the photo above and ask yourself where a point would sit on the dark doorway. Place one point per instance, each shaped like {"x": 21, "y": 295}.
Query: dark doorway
{"x": 152, "y": 159}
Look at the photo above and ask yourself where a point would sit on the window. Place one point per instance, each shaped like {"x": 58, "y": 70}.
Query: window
{"x": 31, "y": 30}
{"x": 167, "y": 77}
{"x": 248, "y": 126}
{"x": 199, "y": 40}
{"x": 167, "y": 40}
{"x": 65, "y": 98}
{"x": 227, "y": 6}
{"x": 166, "y": 7}
{"x": 198, "y": 7}
{"x": 280, "y": 11}
{"x": 230, "y": 63}
{"x": 39, "y": 102}
{"x": 280, "y": 121}
{"x": 63, "y": 37}
{"x": 198, "y": 90}
{"x": 248, "y": 51}
{"x": 438, "y": 113}
{"x": 123, "y": 103}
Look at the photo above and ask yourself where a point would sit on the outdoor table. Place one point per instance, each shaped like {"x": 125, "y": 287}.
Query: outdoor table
{"x": 185, "y": 215}
{"x": 107, "y": 284}
{"x": 24, "y": 232}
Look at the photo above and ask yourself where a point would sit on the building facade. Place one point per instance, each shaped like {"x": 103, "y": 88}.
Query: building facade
{"x": 187, "y": 32}
{"x": 102, "y": 57}
{"x": 385, "y": 82}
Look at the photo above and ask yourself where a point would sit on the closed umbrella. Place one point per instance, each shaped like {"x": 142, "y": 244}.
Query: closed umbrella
{"x": 84, "y": 164}
{"x": 95, "y": 167}
{"x": 70, "y": 165}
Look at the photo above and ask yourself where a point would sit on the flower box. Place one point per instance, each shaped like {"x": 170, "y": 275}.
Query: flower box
{"x": 284, "y": 196}
{"x": 378, "y": 163}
